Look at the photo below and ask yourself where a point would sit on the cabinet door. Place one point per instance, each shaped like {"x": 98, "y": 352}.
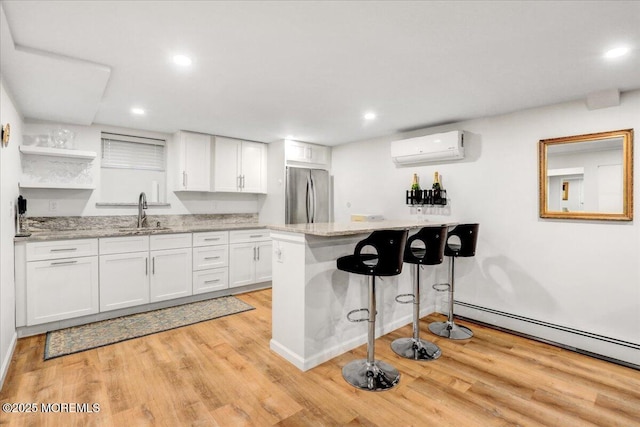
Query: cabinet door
{"x": 170, "y": 274}
{"x": 263, "y": 261}
{"x": 253, "y": 164}
{"x": 124, "y": 280}
{"x": 241, "y": 264}
{"x": 61, "y": 289}
{"x": 195, "y": 152}
{"x": 318, "y": 154}
{"x": 226, "y": 174}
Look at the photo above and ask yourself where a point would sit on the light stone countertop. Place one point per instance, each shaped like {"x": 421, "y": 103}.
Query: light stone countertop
{"x": 330, "y": 229}
{"x": 130, "y": 231}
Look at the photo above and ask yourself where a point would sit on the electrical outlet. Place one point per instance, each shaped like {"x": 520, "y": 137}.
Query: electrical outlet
{"x": 53, "y": 205}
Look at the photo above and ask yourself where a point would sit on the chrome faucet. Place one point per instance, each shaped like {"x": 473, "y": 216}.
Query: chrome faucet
{"x": 142, "y": 205}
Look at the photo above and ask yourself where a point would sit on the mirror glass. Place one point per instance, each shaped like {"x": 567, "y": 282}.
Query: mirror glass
{"x": 587, "y": 176}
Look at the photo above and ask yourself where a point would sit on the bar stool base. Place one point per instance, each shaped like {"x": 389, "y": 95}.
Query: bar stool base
{"x": 409, "y": 348}
{"x": 450, "y": 330}
{"x": 376, "y": 376}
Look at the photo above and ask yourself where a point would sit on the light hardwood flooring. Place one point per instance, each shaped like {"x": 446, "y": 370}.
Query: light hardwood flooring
{"x": 221, "y": 372}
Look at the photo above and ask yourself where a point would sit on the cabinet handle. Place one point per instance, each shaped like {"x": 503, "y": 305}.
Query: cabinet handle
{"x": 153, "y": 265}
{"x": 211, "y": 238}
{"x": 146, "y": 266}
{"x": 243, "y": 181}
{"x": 258, "y": 248}
{"x": 64, "y": 262}
{"x": 254, "y": 253}
{"x": 239, "y": 181}
{"x": 63, "y": 250}
{"x": 255, "y": 236}
{"x": 212, "y": 257}
{"x": 184, "y": 178}
{"x": 212, "y": 281}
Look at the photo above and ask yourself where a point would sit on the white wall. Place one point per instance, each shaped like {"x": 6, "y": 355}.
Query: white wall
{"x": 578, "y": 274}
{"x": 83, "y": 202}
{"x": 9, "y": 168}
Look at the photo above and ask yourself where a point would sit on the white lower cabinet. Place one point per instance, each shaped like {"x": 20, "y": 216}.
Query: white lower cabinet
{"x": 124, "y": 280}
{"x": 210, "y": 261}
{"x": 249, "y": 257}
{"x": 124, "y": 272}
{"x": 171, "y": 274}
{"x": 61, "y": 289}
{"x": 63, "y": 279}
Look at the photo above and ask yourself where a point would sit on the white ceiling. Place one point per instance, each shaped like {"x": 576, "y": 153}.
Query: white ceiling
{"x": 266, "y": 70}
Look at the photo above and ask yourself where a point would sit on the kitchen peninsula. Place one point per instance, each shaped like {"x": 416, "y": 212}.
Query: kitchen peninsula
{"x": 311, "y": 297}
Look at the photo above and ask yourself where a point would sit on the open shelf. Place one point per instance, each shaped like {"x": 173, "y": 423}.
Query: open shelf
{"x": 57, "y": 152}
{"x": 61, "y": 186}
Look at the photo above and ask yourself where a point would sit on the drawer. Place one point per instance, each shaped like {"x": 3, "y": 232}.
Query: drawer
{"x": 170, "y": 241}
{"x": 210, "y": 257}
{"x": 210, "y": 238}
{"x": 121, "y": 245}
{"x": 252, "y": 235}
{"x": 56, "y": 249}
{"x": 210, "y": 280}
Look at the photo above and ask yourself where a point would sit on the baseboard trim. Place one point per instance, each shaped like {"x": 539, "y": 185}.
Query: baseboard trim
{"x": 6, "y": 362}
{"x": 475, "y": 313}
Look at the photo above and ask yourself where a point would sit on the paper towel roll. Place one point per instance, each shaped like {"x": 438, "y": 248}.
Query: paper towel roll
{"x": 155, "y": 190}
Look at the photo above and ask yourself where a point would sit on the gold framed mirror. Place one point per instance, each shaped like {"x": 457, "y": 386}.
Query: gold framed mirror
{"x": 587, "y": 176}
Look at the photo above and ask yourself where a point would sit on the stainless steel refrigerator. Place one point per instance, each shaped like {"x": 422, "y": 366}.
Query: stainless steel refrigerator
{"x": 307, "y": 195}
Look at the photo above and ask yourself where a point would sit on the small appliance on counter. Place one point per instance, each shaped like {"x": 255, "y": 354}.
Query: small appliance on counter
{"x": 22, "y": 212}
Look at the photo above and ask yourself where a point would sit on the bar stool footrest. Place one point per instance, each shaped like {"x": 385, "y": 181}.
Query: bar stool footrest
{"x": 401, "y": 300}
{"x": 352, "y": 312}
{"x": 377, "y": 376}
{"x": 442, "y": 287}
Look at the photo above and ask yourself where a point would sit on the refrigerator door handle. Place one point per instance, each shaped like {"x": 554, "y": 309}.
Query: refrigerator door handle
{"x": 308, "y": 200}
{"x": 313, "y": 200}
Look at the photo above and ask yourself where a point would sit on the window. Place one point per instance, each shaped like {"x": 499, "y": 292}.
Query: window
{"x": 131, "y": 152}
{"x": 131, "y": 165}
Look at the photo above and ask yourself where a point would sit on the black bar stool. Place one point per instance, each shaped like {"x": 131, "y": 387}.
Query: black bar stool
{"x": 461, "y": 242}
{"x": 370, "y": 374}
{"x": 428, "y": 250}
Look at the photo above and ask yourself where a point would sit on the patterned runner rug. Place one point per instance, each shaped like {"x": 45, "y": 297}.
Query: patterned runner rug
{"x": 98, "y": 334}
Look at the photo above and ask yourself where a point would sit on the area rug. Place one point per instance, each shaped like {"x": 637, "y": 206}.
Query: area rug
{"x": 98, "y": 334}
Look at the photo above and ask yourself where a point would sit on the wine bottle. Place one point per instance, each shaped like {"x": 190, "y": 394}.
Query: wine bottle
{"x": 415, "y": 185}
{"x": 437, "y": 194}
{"x": 416, "y": 193}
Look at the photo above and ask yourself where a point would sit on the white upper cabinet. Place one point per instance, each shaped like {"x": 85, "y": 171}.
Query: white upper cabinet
{"x": 306, "y": 153}
{"x": 194, "y": 152}
{"x": 239, "y": 166}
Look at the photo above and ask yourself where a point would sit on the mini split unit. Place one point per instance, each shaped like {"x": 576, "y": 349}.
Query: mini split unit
{"x": 430, "y": 148}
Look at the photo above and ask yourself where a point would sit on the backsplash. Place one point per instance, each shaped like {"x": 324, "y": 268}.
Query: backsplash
{"x": 59, "y": 223}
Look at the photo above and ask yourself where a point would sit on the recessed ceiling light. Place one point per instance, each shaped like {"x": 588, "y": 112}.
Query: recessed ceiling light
{"x": 370, "y": 116}
{"x": 137, "y": 111}
{"x": 182, "y": 60}
{"x": 616, "y": 52}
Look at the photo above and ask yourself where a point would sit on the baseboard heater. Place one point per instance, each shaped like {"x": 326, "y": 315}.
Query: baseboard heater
{"x": 590, "y": 335}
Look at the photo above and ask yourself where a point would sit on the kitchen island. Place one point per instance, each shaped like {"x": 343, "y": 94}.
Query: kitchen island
{"x": 311, "y": 297}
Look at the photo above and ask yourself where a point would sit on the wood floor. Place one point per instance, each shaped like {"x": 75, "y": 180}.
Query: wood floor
{"x": 221, "y": 372}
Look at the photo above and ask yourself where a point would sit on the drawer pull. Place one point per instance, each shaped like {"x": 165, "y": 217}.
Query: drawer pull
{"x": 212, "y": 257}
{"x": 211, "y": 238}
{"x": 64, "y": 250}
{"x": 212, "y": 281}
{"x": 254, "y": 236}
{"x": 64, "y": 262}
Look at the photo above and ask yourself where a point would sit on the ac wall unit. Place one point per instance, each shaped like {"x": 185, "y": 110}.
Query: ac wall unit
{"x": 430, "y": 148}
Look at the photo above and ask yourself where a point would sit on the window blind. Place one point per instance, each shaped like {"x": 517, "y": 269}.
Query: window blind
{"x": 132, "y": 152}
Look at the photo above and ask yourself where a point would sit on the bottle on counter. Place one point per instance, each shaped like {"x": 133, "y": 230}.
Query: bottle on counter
{"x": 437, "y": 193}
